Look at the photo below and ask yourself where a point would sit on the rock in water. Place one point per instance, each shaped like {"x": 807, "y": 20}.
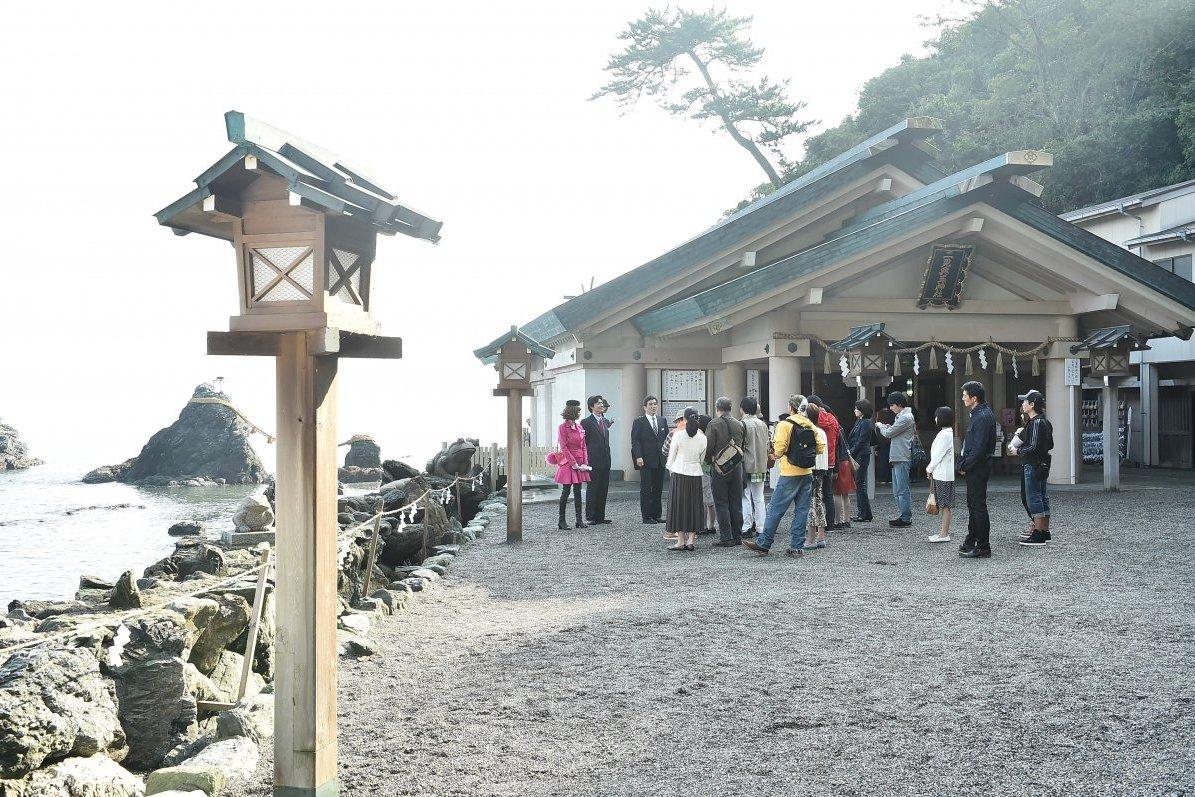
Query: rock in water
{"x": 254, "y": 514}
{"x": 55, "y": 703}
{"x": 364, "y": 452}
{"x": 395, "y": 470}
{"x": 186, "y": 528}
{"x": 14, "y": 455}
{"x": 209, "y": 441}
{"x": 125, "y": 595}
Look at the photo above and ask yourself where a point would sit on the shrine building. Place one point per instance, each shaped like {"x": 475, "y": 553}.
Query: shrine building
{"x": 876, "y": 271}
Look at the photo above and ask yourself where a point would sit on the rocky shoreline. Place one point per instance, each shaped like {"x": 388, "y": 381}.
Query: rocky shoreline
{"x": 124, "y": 697}
{"x": 14, "y": 454}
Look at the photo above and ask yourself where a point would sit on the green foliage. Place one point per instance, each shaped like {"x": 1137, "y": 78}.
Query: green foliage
{"x": 691, "y": 63}
{"x": 1107, "y": 86}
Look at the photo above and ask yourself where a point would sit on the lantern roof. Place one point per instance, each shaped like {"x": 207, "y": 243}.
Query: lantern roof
{"x": 489, "y": 352}
{"x": 1106, "y": 338}
{"x": 861, "y": 335}
{"x": 316, "y": 178}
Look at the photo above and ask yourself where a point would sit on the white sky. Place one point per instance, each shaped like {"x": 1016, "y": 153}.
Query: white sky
{"x": 474, "y": 113}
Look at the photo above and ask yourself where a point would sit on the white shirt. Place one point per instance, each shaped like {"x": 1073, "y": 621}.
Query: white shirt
{"x": 822, "y": 461}
{"x": 941, "y": 457}
{"x": 686, "y": 453}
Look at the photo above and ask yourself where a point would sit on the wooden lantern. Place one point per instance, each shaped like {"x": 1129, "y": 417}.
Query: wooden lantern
{"x": 511, "y": 355}
{"x": 1108, "y": 350}
{"x": 303, "y": 225}
{"x": 868, "y": 350}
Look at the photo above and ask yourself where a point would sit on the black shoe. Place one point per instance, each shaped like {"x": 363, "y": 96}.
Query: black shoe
{"x": 900, "y": 523}
{"x": 750, "y": 535}
{"x": 857, "y": 519}
{"x": 725, "y": 544}
{"x": 1036, "y": 538}
{"x": 737, "y": 539}
{"x": 708, "y": 531}
{"x": 563, "y": 526}
{"x": 966, "y": 546}
{"x": 603, "y": 521}
{"x": 976, "y": 553}
{"x": 581, "y": 524}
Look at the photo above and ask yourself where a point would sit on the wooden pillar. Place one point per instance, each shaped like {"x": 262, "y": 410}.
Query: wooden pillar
{"x": 631, "y": 394}
{"x": 305, "y": 703}
{"x": 1111, "y": 396}
{"x": 784, "y": 380}
{"x": 514, "y": 466}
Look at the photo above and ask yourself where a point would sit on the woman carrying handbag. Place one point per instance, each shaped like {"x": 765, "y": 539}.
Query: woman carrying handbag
{"x": 940, "y": 470}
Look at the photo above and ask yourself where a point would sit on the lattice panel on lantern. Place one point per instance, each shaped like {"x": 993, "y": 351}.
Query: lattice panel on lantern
{"x": 344, "y": 276}
{"x": 282, "y": 274}
{"x": 514, "y": 371}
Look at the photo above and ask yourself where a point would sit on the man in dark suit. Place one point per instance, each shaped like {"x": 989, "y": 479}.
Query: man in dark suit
{"x": 597, "y": 447}
{"x": 648, "y": 433}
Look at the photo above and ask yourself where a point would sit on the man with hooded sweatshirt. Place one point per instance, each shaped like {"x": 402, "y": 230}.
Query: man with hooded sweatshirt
{"x": 1037, "y": 440}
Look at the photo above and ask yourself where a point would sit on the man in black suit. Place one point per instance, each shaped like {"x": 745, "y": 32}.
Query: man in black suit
{"x": 648, "y": 433}
{"x": 597, "y": 447}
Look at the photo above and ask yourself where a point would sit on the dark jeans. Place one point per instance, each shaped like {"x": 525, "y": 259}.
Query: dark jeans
{"x": 651, "y": 486}
{"x": 728, "y": 503}
{"x": 828, "y": 498}
{"x": 979, "y": 523}
{"x": 595, "y": 494}
{"x": 861, "y": 498}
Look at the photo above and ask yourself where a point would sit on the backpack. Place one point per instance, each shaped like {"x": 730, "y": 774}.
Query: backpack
{"x": 802, "y": 446}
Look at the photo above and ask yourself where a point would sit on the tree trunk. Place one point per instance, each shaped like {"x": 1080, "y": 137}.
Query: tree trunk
{"x": 739, "y": 138}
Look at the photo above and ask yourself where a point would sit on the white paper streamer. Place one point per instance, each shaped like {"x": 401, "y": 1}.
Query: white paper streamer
{"x": 916, "y": 365}
{"x": 843, "y": 366}
{"x": 1015, "y": 373}
{"x": 983, "y": 359}
{"x": 949, "y": 363}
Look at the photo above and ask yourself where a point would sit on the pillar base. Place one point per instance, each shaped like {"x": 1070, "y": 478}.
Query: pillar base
{"x": 328, "y": 789}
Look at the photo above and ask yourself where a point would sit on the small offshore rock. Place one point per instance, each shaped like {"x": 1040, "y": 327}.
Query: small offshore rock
{"x": 186, "y": 528}
{"x": 95, "y": 582}
{"x": 253, "y": 514}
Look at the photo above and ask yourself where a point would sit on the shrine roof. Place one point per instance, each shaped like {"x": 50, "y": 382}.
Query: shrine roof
{"x": 489, "y": 352}
{"x": 316, "y": 177}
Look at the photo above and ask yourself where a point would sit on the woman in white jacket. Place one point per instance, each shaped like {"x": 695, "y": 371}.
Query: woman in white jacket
{"x": 941, "y": 470}
{"x": 686, "y": 452}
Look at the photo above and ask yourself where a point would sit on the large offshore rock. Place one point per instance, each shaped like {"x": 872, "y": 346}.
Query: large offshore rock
{"x": 364, "y": 452}
{"x": 14, "y": 455}
{"x": 209, "y": 441}
{"x": 93, "y": 776}
{"x": 55, "y": 703}
{"x": 229, "y": 621}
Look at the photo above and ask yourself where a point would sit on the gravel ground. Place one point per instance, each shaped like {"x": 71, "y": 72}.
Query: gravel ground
{"x": 594, "y": 663}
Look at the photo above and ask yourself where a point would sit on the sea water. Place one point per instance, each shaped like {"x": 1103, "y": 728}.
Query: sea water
{"x": 53, "y": 528}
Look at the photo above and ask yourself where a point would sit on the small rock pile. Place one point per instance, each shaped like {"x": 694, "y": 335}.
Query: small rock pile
{"x": 14, "y": 454}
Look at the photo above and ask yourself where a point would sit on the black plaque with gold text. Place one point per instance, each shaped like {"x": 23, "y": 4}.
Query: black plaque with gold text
{"x": 945, "y": 274}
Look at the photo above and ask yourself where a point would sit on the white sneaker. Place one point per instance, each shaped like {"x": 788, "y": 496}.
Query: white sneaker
{"x": 936, "y": 538}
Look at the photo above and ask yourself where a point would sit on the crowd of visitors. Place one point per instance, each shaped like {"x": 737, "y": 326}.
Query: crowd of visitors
{"x": 718, "y": 468}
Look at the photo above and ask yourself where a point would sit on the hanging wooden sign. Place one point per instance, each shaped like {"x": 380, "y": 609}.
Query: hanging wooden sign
{"x": 945, "y": 273}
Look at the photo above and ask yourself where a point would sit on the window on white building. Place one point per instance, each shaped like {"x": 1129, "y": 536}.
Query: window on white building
{"x": 1180, "y": 265}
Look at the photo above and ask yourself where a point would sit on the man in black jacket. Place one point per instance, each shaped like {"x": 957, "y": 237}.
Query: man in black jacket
{"x": 648, "y": 433}
{"x": 597, "y": 448}
{"x": 975, "y": 465}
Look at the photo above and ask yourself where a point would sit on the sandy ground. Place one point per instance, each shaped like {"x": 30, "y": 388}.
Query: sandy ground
{"x": 592, "y": 662}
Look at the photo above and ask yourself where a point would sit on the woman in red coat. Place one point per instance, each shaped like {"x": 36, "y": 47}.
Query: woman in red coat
{"x": 571, "y": 461}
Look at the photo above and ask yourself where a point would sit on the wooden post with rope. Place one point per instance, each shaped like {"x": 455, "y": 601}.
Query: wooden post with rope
{"x": 373, "y": 546}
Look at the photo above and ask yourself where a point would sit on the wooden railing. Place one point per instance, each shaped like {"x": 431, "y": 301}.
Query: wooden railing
{"x": 493, "y": 459}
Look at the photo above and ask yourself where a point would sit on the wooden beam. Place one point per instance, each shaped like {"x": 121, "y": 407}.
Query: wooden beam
{"x": 324, "y": 342}
{"x": 1090, "y": 303}
{"x": 222, "y": 204}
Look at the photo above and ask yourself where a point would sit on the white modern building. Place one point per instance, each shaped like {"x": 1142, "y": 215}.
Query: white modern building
{"x": 1159, "y": 226}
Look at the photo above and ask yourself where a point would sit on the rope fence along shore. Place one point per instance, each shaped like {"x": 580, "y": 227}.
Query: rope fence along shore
{"x": 440, "y": 494}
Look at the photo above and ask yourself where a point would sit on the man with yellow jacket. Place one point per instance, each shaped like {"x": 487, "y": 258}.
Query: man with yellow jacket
{"x": 796, "y": 445}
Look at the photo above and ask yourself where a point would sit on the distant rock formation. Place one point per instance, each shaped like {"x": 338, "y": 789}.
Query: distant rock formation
{"x": 14, "y": 455}
{"x": 208, "y": 444}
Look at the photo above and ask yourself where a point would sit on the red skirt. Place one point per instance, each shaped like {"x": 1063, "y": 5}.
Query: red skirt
{"x": 845, "y": 483}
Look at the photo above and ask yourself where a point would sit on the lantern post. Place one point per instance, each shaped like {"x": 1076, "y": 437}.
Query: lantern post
{"x": 512, "y": 356}
{"x": 303, "y": 226}
{"x": 1108, "y": 353}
